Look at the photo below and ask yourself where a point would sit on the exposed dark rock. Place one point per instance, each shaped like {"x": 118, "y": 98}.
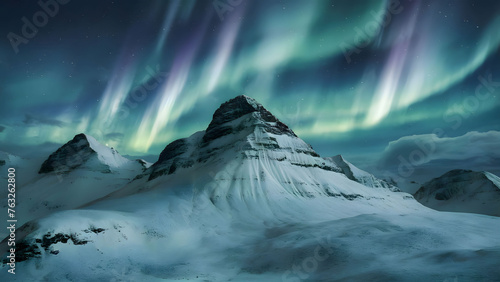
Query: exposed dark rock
{"x": 217, "y": 132}
{"x": 94, "y": 230}
{"x": 236, "y": 108}
{"x": 350, "y": 197}
{"x": 29, "y": 249}
{"x": 310, "y": 153}
{"x": 324, "y": 167}
{"x": 143, "y": 163}
{"x": 68, "y": 157}
{"x": 174, "y": 149}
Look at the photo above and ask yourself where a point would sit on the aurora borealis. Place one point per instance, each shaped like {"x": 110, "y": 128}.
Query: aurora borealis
{"x": 348, "y": 77}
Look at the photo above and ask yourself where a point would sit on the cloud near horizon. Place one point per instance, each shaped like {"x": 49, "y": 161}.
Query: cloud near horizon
{"x": 410, "y": 156}
{"x": 31, "y": 120}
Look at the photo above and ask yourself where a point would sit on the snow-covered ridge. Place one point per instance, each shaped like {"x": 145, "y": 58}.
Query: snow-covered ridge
{"x": 359, "y": 175}
{"x": 462, "y": 191}
{"x": 106, "y": 155}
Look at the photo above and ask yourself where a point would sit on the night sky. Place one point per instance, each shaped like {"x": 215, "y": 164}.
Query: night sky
{"x": 406, "y": 89}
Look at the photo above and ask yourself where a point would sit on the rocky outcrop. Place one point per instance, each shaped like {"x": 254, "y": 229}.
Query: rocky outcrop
{"x": 68, "y": 157}
{"x": 236, "y": 108}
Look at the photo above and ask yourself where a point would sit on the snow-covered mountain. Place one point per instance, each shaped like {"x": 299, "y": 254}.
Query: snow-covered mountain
{"x": 85, "y": 152}
{"x": 247, "y": 200}
{"x": 462, "y": 191}
{"x": 246, "y": 145}
{"x": 79, "y": 172}
{"x": 359, "y": 175}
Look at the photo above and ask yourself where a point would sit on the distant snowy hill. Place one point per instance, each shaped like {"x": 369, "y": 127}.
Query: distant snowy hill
{"x": 462, "y": 191}
{"x": 361, "y": 176}
{"x": 247, "y": 200}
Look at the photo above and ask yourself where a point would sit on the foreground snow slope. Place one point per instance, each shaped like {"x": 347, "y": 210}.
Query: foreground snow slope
{"x": 178, "y": 236}
{"x": 247, "y": 200}
{"x": 462, "y": 191}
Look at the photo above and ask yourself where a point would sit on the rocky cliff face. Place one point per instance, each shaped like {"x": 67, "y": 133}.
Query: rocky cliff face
{"x": 236, "y": 108}
{"x": 70, "y": 156}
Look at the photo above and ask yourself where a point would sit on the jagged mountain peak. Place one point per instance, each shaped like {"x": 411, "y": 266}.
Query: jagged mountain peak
{"x": 241, "y": 128}
{"x": 83, "y": 149}
{"x": 228, "y": 117}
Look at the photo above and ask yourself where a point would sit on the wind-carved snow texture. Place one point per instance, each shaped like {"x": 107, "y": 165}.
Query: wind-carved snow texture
{"x": 462, "y": 191}
{"x": 247, "y": 200}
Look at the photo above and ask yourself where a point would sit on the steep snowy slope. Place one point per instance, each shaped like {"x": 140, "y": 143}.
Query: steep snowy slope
{"x": 247, "y": 200}
{"x": 462, "y": 191}
{"x": 361, "y": 176}
{"x": 79, "y": 172}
